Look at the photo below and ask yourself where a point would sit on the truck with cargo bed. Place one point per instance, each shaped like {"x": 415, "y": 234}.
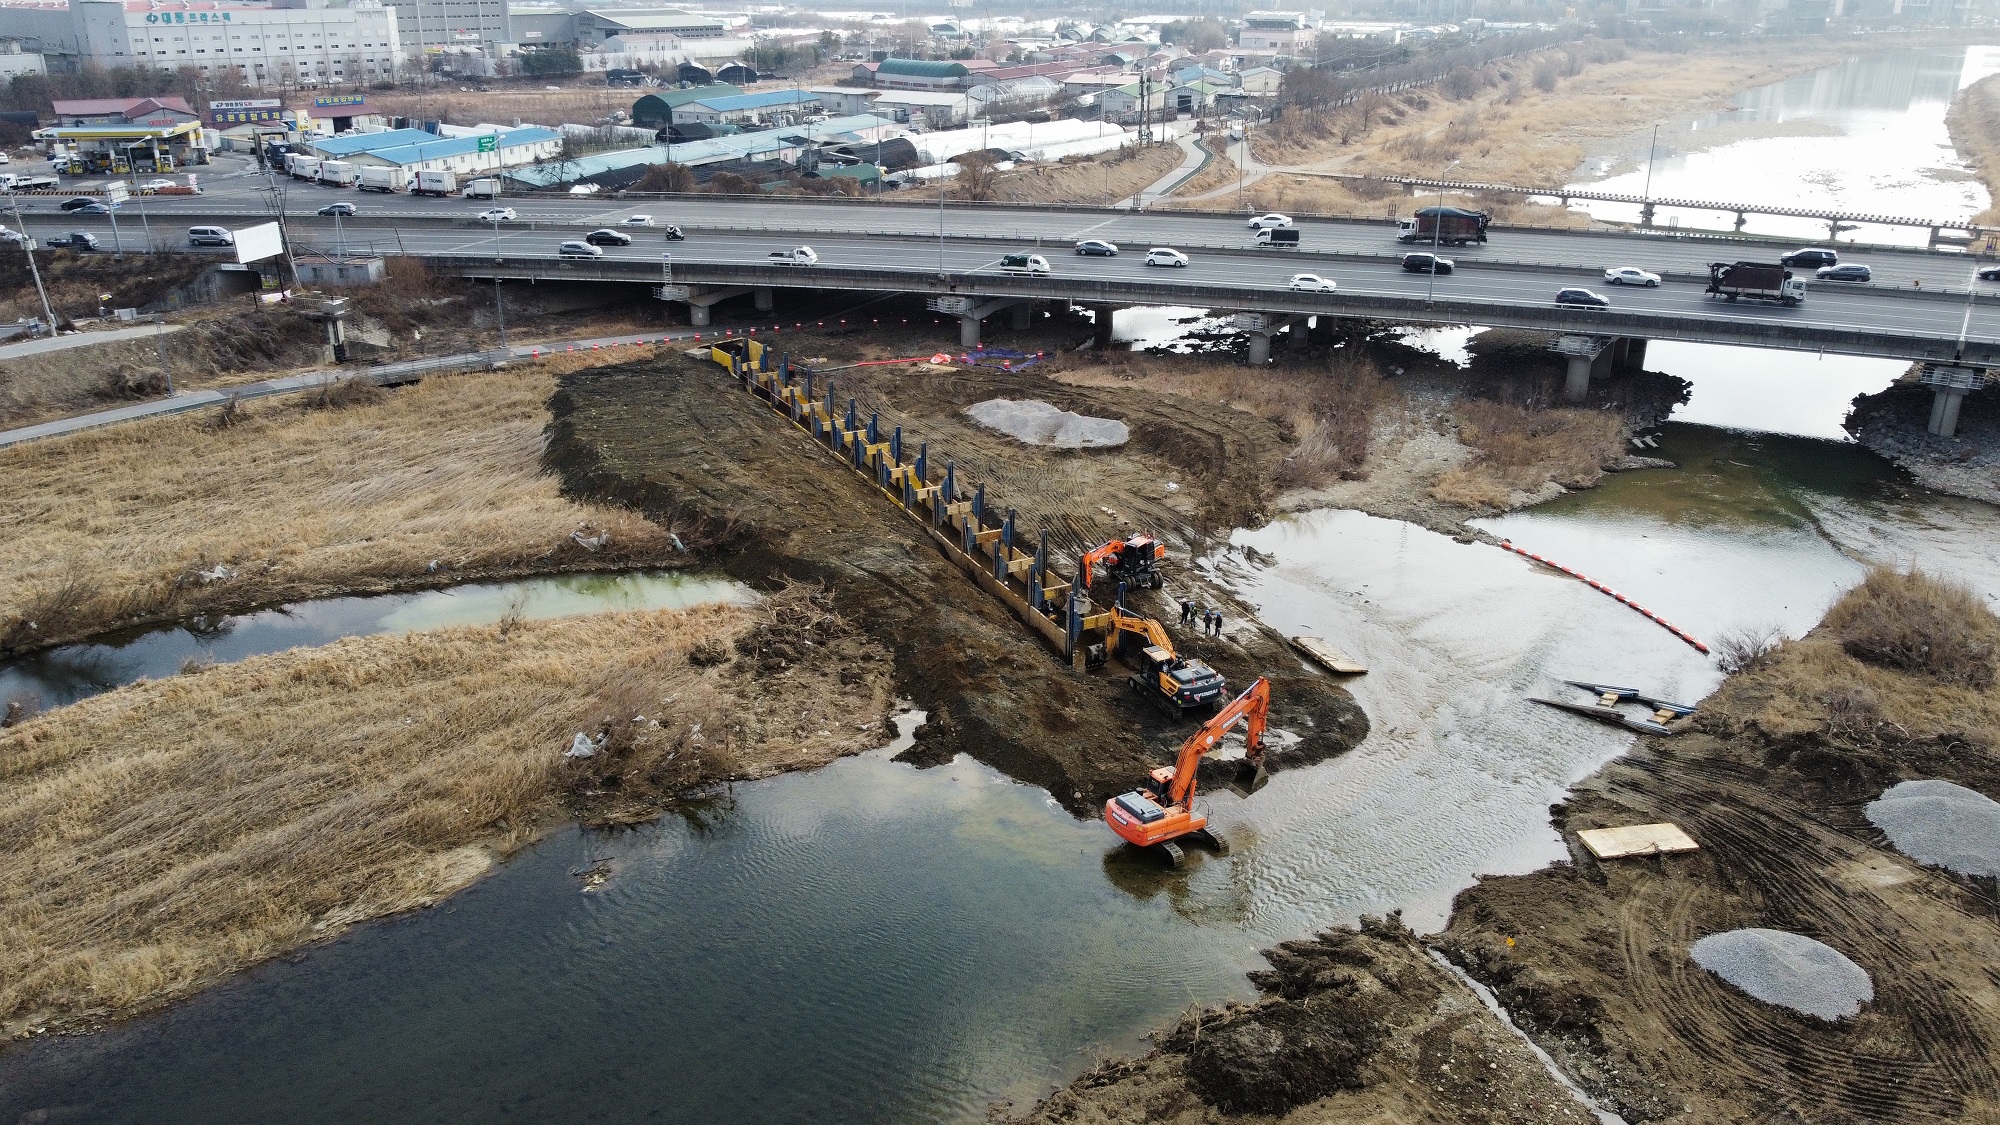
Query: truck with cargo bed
{"x": 10, "y": 182}
{"x": 435, "y": 183}
{"x": 1446, "y": 226}
{"x": 1285, "y": 238}
{"x": 1755, "y": 281}
{"x": 389, "y": 180}
{"x": 338, "y": 173}
{"x": 485, "y": 187}
{"x": 302, "y": 167}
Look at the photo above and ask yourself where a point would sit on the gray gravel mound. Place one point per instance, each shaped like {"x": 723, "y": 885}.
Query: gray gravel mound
{"x": 1039, "y": 423}
{"x": 1941, "y": 824}
{"x": 1790, "y": 970}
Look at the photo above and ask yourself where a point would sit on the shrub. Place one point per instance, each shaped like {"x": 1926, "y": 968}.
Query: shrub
{"x": 1916, "y": 623}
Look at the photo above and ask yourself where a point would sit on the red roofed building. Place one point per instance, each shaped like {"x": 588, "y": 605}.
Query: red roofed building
{"x": 125, "y": 111}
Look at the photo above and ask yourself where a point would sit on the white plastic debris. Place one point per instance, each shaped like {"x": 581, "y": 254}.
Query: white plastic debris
{"x": 219, "y": 573}
{"x": 590, "y": 542}
{"x": 1039, "y": 423}
{"x": 581, "y": 747}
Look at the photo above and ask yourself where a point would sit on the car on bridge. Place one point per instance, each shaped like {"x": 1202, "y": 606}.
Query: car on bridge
{"x": 578, "y": 250}
{"x": 1265, "y": 222}
{"x": 1098, "y": 247}
{"x": 1811, "y": 256}
{"x": 341, "y": 208}
{"x": 1582, "y": 298}
{"x": 1025, "y": 263}
{"x": 636, "y": 221}
{"x": 1852, "y": 271}
{"x": 1631, "y": 275}
{"x": 78, "y": 203}
{"x": 1990, "y": 273}
{"x": 1427, "y": 262}
{"x": 76, "y": 240}
{"x": 151, "y": 186}
{"x": 497, "y": 215}
{"x": 1312, "y": 283}
{"x": 92, "y": 208}
{"x": 608, "y": 237}
{"x": 1166, "y": 256}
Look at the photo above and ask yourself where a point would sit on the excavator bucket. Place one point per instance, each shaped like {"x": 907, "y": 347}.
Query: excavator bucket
{"x": 1250, "y": 776}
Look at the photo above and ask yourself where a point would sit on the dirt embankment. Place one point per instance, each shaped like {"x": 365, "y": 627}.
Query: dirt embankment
{"x": 157, "y": 838}
{"x": 1896, "y": 424}
{"x": 675, "y": 438}
{"x": 1351, "y": 1026}
{"x": 1974, "y": 124}
{"x": 1592, "y": 957}
{"x": 161, "y": 520}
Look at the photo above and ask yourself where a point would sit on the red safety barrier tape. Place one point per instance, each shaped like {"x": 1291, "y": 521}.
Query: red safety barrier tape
{"x": 1615, "y": 595}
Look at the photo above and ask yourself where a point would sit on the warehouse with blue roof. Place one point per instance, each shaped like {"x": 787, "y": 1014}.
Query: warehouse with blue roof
{"x": 738, "y": 108}
{"x": 414, "y": 150}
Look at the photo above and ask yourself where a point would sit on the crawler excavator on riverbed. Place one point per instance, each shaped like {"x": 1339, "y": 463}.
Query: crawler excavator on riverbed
{"x": 1177, "y": 683}
{"x": 1160, "y": 814}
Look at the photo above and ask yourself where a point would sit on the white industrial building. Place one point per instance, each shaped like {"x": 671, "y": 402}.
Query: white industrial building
{"x": 296, "y": 43}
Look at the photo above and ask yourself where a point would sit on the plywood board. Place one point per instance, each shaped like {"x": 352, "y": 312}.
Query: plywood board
{"x": 1636, "y": 839}
{"x": 1328, "y": 656}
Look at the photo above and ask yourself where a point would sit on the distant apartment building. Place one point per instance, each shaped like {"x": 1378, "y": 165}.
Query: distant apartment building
{"x": 1283, "y": 32}
{"x": 264, "y": 42}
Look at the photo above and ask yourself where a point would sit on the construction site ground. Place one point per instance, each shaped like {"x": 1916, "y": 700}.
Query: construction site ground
{"x": 677, "y": 438}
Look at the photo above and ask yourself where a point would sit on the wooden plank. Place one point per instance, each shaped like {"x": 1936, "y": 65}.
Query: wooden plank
{"x": 1637, "y": 839}
{"x": 1328, "y": 657}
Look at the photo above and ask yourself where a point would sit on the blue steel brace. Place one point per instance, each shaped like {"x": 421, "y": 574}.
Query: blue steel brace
{"x": 853, "y": 439}
{"x": 874, "y": 427}
{"x": 1000, "y": 560}
{"x": 966, "y": 533}
{"x": 808, "y": 395}
{"x": 1007, "y": 530}
{"x": 896, "y": 446}
{"x": 785, "y": 369}
{"x": 909, "y": 493}
{"x": 1121, "y": 595}
{"x": 923, "y": 465}
{"x": 979, "y": 505}
{"x": 850, "y": 416}
{"x": 829, "y": 406}
{"x": 950, "y": 493}
{"x": 1039, "y": 574}
{"x": 1072, "y": 629}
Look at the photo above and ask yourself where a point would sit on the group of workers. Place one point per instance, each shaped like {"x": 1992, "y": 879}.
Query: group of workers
{"x": 1209, "y": 619}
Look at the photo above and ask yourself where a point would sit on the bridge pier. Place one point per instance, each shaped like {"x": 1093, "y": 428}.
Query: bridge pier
{"x": 1741, "y": 219}
{"x": 702, "y": 300}
{"x": 1261, "y": 327}
{"x": 1949, "y": 385}
{"x": 1021, "y": 317}
{"x": 1635, "y": 354}
{"x": 1588, "y": 356}
{"x": 1104, "y": 315}
{"x": 763, "y": 298}
{"x": 1646, "y": 215}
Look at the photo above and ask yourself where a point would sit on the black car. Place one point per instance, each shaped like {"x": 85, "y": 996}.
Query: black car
{"x": 1853, "y": 271}
{"x": 1989, "y": 273}
{"x": 1097, "y": 246}
{"x": 1811, "y": 256}
{"x": 77, "y": 203}
{"x": 337, "y": 209}
{"x": 1426, "y": 263}
{"x": 608, "y": 237}
{"x": 91, "y": 208}
{"x": 1582, "y": 298}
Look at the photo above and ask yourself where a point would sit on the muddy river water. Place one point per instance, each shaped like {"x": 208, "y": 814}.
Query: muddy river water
{"x": 872, "y": 942}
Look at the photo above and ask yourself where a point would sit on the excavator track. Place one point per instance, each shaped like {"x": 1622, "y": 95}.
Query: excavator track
{"x": 1172, "y": 853}
{"x": 1213, "y": 837}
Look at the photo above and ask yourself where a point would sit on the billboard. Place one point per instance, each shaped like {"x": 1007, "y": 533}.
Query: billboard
{"x": 337, "y": 101}
{"x": 242, "y": 111}
{"x": 254, "y": 244}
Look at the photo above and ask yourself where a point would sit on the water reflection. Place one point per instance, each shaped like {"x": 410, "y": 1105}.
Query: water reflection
{"x": 72, "y": 672}
{"x": 1866, "y": 135}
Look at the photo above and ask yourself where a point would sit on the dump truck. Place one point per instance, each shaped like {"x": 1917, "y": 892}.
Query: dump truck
{"x": 1448, "y": 226}
{"x": 439, "y": 184}
{"x": 1285, "y": 238}
{"x": 384, "y": 179}
{"x": 1755, "y": 281}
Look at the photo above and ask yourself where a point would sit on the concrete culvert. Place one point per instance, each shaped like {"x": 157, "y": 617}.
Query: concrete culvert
{"x": 1941, "y": 824}
{"x": 1787, "y": 969}
{"x": 1039, "y": 423}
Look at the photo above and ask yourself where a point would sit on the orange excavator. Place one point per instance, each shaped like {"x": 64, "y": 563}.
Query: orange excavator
{"x": 1134, "y": 561}
{"x": 1160, "y": 813}
{"x": 1178, "y": 683}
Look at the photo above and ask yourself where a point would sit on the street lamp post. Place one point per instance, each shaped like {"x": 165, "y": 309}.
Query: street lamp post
{"x": 1646, "y": 192}
{"x": 28, "y": 248}
{"x": 1437, "y": 230}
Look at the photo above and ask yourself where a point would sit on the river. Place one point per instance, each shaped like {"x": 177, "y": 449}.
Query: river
{"x": 872, "y": 942}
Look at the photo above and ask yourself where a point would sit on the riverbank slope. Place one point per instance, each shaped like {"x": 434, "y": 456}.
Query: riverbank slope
{"x": 1591, "y": 957}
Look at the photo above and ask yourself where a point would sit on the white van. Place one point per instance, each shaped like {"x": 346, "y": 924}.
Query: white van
{"x": 210, "y": 236}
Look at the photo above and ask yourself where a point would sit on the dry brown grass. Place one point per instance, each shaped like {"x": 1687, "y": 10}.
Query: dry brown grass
{"x": 1889, "y": 694}
{"x": 1329, "y": 408}
{"x": 1511, "y": 132}
{"x": 1103, "y": 179}
{"x": 160, "y": 836}
{"x": 114, "y": 525}
{"x": 530, "y": 104}
{"x": 1974, "y": 124}
{"x": 1521, "y": 450}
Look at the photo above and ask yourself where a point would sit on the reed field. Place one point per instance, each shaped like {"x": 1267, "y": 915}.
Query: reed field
{"x": 1974, "y": 124}
{"x": 160, "y": 836}
{"x": 294, "y": 497}
{"x": 1519, "y": 450}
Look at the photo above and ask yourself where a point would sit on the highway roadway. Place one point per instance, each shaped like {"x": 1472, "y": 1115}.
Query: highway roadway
{"x": 1516, "y": 268}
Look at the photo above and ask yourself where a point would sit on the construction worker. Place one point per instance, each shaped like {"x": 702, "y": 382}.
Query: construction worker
{"x": 1218, "y": 622}
{"x": 1187, "y": 613}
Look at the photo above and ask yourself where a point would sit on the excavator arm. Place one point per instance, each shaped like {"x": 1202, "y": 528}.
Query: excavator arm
{"x": 1154, "y": 632}
{"x": 1251, "y": 708}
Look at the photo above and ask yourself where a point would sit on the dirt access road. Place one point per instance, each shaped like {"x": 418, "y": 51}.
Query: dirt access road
{"x": 677, "y": 439}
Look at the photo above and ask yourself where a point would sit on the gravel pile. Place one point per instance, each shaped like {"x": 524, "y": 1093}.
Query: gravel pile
{"x": 1941, "y": 824}
{"x": 1039, "y": 423}
{"x": 1790, "y": 970}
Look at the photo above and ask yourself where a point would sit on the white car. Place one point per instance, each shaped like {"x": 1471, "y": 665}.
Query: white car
{"x": 585, "y": 189}
{"x": 638, "y": 221}
{"x": 497, "y": 215}
{"x": 1166, "y": 256}
{"x": 579, "y": 250}
{"x": 156, "y": 185}
{"x": 11, "y": 236}
{"x": 1631, "y": 275}
{"x": 1262, "y": 222}
{"x": 1312, "y": 283}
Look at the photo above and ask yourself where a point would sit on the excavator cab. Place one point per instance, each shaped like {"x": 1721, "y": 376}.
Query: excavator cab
{"x": 1134, "y": 562}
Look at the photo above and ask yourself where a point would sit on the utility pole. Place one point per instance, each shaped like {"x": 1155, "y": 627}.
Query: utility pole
{"x": 1437, "y": 229}
{"x": 28, "y": 247}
